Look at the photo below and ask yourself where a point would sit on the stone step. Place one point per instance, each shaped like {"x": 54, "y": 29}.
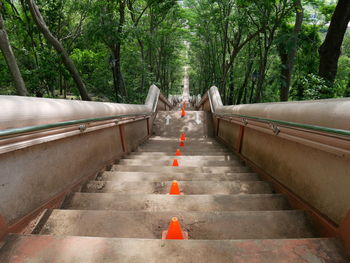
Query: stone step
{"x": 163, "y": 139}
{"x": 187, "y": 157}
{"x": 180, "y": 169}
{"x": 187, "y": 187}
{"x": 184, "y": 153}
{"x": 199, "y": 225}
{"x": 68, "y": 249}
{"x": 108, "y": 201}
{"x": 207, "y": 150}
{"x": 160, "y": 177}
{"x": 184, "y": 162}
{"x": 188, "y": 141}
{"x": 176, "y": 145}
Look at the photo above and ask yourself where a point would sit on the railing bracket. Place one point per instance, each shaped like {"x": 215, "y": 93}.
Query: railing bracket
{"x": 274, "y": 128}
{"x": 82, "y": 127}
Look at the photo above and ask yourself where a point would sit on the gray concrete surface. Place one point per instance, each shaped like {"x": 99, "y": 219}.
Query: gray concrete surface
{"x": 160, "y": 177}
{"x": 199, "y": 225}
{"x": 144, "y": 202}
{"x": 194, "y": 124}
{"x": 187, "y": 187}
{"x": 107, "y": 250}
{"x": 181, "y": 169}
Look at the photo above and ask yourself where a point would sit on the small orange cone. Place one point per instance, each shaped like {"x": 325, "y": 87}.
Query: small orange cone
{"x": 178, "y": 153}
{"x": 182, "y": 144}
{"x": 174, "y": 189}
{"x": 183, "y": 112}
{"x": 174, "y": 231}
{"x": 183, "y": 138}
{"x": 175, "y": 163}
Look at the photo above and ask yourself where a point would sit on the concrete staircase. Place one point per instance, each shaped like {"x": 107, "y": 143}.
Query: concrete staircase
{"x": 228, "y": 212}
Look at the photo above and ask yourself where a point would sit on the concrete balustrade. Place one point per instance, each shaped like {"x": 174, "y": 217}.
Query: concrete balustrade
{"x": 40, "y": 173}
{"x": 313, "y": 166}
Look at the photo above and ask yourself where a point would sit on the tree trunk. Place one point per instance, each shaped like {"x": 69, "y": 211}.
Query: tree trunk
{"x": 143, "y": 76}
{"x": 288, "y": 65}
{"x": 115, "y": 85}
{"x": 244, "y": 87}
{"x": 252, "y": 92}
{"x": 119, "y": 81}
{"x": 331, "y": 48}
{"x": 11, "y": 60}
{"x": 38, "y": 19}
{"x": 117, "y": 49}
{"x": 261, "y": 78}
{"x": 231, "y": 97}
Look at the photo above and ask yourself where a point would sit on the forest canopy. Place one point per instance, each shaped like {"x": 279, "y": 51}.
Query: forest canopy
{"x": 113, "y": 50}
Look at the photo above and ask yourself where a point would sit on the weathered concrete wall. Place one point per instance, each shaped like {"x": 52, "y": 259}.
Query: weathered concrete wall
{"x": 135, "y": 133}
{"x": 229, "y": 133}
{"x": 31, "y": 176}
{"x": 320, "y": 178}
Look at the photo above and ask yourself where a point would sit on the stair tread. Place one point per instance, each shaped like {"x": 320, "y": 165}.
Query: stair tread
{"x": 190, "y": 150}
{"x": 184, "y": 162}
{"x": 99, "y": 249}
{"x": 189, "y": 146}
{"x": 194, "y": 169}
{"x": 187, "y": 187}
{"x": 190, "y": 153}
{"x": 158, "y": 177}
{"x": 155, "y": 138}
{"x": 187, "y": 157}
{"x": 152, "y": 202}
{"x": 200, "y": 225}
{"x": 188, "y": 143}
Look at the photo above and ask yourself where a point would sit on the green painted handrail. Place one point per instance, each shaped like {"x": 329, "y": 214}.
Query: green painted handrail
{"x": 16, "y": 131}
{"x": 292, "y": 124}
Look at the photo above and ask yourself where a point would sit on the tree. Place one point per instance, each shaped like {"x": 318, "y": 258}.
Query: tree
{"x": 288, "y": 54}
{"x": 268, "y": 16}
{"x": 330, "y": 50}
{"x": 10, "y": 58}
{"x": 37, "y": 17}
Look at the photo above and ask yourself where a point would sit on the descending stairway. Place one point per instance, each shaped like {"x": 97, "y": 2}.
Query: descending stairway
{"x": 228, "y": 212}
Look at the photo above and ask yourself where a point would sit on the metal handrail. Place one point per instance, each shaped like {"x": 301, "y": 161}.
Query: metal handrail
{"x": 4, "y": 134}
{"x": 292, "y": 124}
{"x": 28, "y": 129}
{"x": 285, "y": 123}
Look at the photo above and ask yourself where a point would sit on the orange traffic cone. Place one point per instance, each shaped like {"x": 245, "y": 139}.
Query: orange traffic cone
{"x": 174, "y": 231}
{"x": 175, "y": 189}
{"x": 183, "y": 138}
{"x": 182, "y": 144}
{"x": 178, "y": 153}
{"x": 175, "y": 163}
{"x": 183, "y": 112}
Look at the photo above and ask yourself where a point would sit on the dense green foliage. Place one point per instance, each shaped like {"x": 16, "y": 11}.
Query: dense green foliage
{"x": 121, "y": 47}
{"x": 221, "y": 25}
{"x": 88, "y": 29}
